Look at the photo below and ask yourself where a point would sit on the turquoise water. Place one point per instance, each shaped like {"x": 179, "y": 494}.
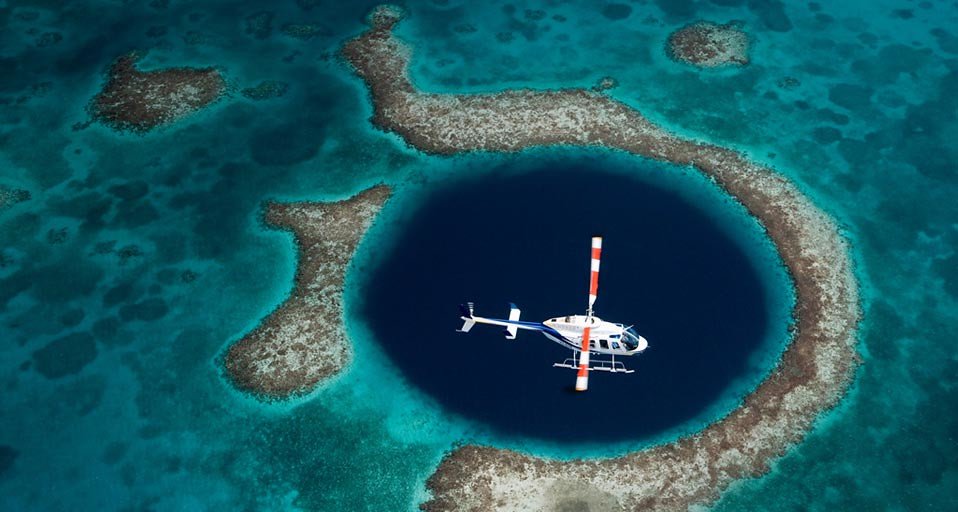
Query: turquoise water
{"x": 164, "y": 262}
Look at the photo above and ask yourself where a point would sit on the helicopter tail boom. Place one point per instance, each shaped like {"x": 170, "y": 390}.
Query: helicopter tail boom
{"x": 512, "y": 325}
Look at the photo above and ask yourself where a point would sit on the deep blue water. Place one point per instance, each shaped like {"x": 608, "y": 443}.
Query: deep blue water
{"x": 111, "y": 393}
{"x": 524, "y": 237}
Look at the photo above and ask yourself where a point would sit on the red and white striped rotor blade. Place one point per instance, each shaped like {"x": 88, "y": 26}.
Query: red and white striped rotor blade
{"x": 594, "y": 278}
{"x": 582, "y": 379}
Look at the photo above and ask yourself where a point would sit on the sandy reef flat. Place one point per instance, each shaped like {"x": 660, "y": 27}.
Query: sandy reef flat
{"x": 10, "y": 196}
{"x": 708, "y": 45}
{"x": 139, "y": 101}
{"x": 304, "y": 340}
{"x": 810, "y": 378}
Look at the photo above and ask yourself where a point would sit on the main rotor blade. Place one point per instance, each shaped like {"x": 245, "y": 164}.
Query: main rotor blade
{"x": 594, "y": 278}
{"x": 582, "y": 379}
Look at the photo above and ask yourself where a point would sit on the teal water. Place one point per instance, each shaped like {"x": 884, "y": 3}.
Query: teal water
{"x": 139, "y": 259}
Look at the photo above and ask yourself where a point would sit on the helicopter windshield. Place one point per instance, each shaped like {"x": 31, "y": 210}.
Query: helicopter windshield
{"x": 630, "y": 339}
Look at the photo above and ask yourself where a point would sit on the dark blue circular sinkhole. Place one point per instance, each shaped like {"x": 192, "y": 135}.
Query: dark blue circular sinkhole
{"x": 524, "y": 237}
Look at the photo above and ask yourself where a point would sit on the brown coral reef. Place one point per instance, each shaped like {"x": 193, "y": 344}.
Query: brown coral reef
{"x": 139, "y": 101}
{"x": 814, "y": 371}
{"x": 304, "y": 340}
{"x": 708, "y": 45}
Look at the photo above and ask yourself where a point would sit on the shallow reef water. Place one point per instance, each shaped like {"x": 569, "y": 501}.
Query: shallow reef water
{"x": 134, "y": 260}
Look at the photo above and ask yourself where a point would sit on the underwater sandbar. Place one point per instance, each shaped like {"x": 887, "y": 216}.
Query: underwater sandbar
{"x": 810, "y": 378}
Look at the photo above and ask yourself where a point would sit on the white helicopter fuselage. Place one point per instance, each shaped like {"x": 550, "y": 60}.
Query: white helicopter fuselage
{"x": 584, "y": 334}
{"x": 604, "y": 338}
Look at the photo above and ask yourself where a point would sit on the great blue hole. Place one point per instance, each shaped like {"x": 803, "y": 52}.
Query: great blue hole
{"x": 668, "y": 268}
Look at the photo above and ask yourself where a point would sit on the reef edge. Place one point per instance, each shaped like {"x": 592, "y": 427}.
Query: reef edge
{"x": 304, "y": 342}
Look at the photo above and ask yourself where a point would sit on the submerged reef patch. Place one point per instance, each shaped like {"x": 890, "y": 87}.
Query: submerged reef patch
{"x": 8, "y": 455}
{"x": 65, "y": 356}
{"x": 304, "y": 340}
{"x": 11, "y": 196}
{"x": 260, "y": 24}
{"x": 708, "y": 45}
{"x": 305, "y": 31}
{"x": 267, "y": 89}
{"x": 811, "y": 376}
{"x": 140, "y": 101}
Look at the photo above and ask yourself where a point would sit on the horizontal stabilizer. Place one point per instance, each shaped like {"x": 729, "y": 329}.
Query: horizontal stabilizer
{"x": 466, "y": 311}
{"x": 511, "y": 330}
{"x": 466, "y": 325}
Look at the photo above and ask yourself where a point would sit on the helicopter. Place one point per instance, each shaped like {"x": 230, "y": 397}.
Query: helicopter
{"x": 583, "y": 334}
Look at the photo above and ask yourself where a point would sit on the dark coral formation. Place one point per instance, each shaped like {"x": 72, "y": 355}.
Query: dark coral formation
{"x": 605, "y": 83}
{"x": 65, "y": 356}
{"x": 305, "y": 31}
{"x": 139, "y": 101}
{"x": 788, "y": 82}
{"x": 616, "y": 11}
{"x": 8, "y": 456}
{"x": 265, "y": 90}
{"x": 304, "y": 341}
{"x": 812, "y": 375}
{"x": 708, "y": 45}
{"x": 128, "y": 252}
{"x": 147, "y": 310}
{"x": 48, "y": 39}
{"x": 57, "y": 236}
{"x": 260, "y": 24}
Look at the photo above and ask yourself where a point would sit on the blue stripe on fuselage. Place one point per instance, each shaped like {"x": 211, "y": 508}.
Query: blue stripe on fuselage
{"x": 538, "y": 327}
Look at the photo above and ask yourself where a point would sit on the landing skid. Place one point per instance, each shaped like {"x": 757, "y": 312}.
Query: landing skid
{"x": 612, "y": 366}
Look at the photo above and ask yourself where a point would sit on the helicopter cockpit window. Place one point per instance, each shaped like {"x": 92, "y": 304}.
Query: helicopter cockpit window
{"x": 630, "y": 339}
{"x": 615, "y": 345}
